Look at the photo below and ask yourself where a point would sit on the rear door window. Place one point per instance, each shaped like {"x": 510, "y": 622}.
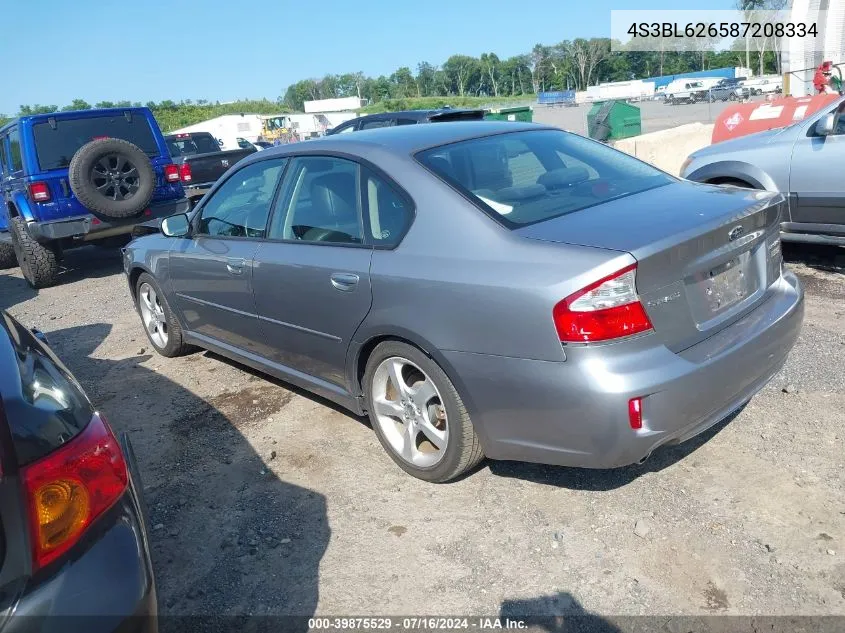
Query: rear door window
{"x": 371, "y": 125}
{"x": 55, "y": 147}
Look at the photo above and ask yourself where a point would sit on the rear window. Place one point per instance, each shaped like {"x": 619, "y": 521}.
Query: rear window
{"x": 56, "y": 147}
{"x": 472, "y": 115}
{"x": 188, "y": 146}
{"x": 50, "y": 407}
{"x": 521, "y": 178}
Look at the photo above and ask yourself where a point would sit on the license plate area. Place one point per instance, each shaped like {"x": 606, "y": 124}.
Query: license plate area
{"x": 715, "y": 291}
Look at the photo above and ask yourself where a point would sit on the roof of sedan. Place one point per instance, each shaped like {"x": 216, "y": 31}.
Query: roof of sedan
{"x": 408, "y": 139}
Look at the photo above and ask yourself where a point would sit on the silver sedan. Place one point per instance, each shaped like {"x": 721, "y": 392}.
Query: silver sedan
{"x": 481, "y": 289}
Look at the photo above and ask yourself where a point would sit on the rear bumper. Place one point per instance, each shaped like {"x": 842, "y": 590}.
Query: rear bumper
{"x": 107, "y": 584}
{"x": 197, "y": 191}
{"x": 575, "y": 413}
{"x": 89, "y": 228}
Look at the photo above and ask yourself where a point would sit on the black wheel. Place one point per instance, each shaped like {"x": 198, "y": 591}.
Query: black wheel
{"x": 39, "y": 263}
{"x": 732, "y": 97}
{"x": 8, "y": 259}
{"x": 112, "y": 178}
{"x": 418, "y": 415}
{"x": 161, "y": 325}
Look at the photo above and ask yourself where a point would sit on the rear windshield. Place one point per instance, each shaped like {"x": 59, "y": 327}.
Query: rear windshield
{"x": 49, "y": 407}
{"x": 56, "y": 147}
{"x": 190, "y": 145}
{"x": 520, "y": 178}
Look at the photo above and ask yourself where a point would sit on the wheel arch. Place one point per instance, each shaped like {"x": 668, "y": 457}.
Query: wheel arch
{"x": 361, "y": 350}
{"x": 736, "y": 171}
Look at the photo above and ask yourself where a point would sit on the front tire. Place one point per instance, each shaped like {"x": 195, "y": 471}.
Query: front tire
{"x": 39, "y": 263}
{"x": 161, "y": 325}
{"x": 418, "y": 415}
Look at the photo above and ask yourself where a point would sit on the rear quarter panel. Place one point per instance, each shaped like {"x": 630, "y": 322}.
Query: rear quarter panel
{"x": 462, "y": 282}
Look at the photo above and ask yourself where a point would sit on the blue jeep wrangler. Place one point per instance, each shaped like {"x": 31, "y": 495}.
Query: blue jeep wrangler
{"x": 74, "y": 178}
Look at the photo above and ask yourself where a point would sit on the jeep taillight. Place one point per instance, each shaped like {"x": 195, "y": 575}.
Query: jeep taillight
{"x": 171, "y": 173}
{"x": 40, "y": 192}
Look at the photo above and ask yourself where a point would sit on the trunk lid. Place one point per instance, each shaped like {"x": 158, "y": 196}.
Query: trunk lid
{"x": 706, "y": 255}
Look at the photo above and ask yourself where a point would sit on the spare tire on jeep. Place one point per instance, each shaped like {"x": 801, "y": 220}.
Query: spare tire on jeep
{"x": 112, "y": 178}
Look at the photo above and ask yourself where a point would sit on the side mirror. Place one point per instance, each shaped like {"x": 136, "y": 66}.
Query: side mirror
{"x": 824, "y": 126}
{"x": 175, "y": 226}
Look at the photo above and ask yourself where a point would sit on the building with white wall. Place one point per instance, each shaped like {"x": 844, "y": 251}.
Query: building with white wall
{"x": 801, "y": 56}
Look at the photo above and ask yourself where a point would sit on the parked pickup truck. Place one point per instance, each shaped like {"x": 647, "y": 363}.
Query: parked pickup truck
{"x": 728, "y": 90}
{"x": 73, "y": 178}
{"x": 201, "y": 161}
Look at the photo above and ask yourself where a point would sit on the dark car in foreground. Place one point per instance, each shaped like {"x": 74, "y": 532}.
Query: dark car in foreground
{"x": 201, "y": 161}
{"x": 802, "y": 161}
{"x": 73, "y": 178}
{"x": 73, "y": 545}
{"x": 407, "y": 117}
{"x": 481, "y": 289}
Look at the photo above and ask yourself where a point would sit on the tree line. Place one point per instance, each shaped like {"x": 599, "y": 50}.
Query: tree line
{"x": 571, "y": 64}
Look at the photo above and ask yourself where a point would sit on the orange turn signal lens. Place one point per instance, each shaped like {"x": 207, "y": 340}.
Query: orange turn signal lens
{"x": 61, "y": 511}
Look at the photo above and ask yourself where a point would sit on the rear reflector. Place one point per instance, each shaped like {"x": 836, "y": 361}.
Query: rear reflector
{"x": 635, "y": 413}
{"x": 40, "y": 192}
{"x": 70, "y": 488}
{"x": 185, "y": 172}
{"x": 604, "y": 310}
{"x": 171, "y": 173}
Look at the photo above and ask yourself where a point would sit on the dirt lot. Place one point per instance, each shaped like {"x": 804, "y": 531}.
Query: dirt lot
{"x": 264, "y": 500}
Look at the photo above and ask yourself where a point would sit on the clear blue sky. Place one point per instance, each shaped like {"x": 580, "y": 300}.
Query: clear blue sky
{"x": 227, "y": 49}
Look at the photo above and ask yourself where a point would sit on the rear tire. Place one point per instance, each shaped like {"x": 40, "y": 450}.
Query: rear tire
{"x": 443, "y": 409}
{"x": 7, "y": 256}
{"x": 39, "y": 263}
{"x": 150, "y": 299}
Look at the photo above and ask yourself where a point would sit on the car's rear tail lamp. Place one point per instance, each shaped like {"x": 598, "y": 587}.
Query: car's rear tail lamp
{"x": 71, "y": 487}
{"x": 40, "y": 192}
{"x": 183, "y": 135}
{"x": 171, "y": 173}
{"x": 635, "y": 413}
{"x": 605, "y": 310}
{"x": 185, "y": 172}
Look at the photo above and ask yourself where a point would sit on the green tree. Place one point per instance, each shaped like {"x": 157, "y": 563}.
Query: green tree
{"x": 77, "y": 104}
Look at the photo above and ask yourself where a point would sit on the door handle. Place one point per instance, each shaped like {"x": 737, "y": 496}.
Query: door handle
{"x": 344, "y": 281}
{"x": 235, "y": 266}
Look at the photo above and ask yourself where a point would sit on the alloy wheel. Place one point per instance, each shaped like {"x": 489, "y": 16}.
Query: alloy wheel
{"x": 152, "y": 315}
{"x": 410, "y": 412}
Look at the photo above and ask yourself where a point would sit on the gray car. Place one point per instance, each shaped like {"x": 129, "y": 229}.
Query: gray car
{"x": 481, "y": 289}
{"x": 803, "y": 161}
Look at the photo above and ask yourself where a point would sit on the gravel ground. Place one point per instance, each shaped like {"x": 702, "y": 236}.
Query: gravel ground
{"x": 265, "y": 499}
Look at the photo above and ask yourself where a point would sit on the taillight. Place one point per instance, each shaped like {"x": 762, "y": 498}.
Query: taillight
{"x": 171, "y": 173}
{"x": 40, "y": 192}
{"x": 185, "y": 172}
{"x": 605, "y": 310}
{"x": 71, "y": 487}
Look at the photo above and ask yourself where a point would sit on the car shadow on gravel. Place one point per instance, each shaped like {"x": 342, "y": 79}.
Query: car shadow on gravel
{"x": 559, "y": 612}
{"x": 603, "y": 480}
{"x": 229, "y": 538}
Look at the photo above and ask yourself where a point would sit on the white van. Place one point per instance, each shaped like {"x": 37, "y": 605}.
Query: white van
{"x": 685, "y": 91}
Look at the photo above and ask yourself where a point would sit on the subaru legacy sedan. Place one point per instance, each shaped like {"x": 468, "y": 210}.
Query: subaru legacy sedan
{"x": 481, "y": 289}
